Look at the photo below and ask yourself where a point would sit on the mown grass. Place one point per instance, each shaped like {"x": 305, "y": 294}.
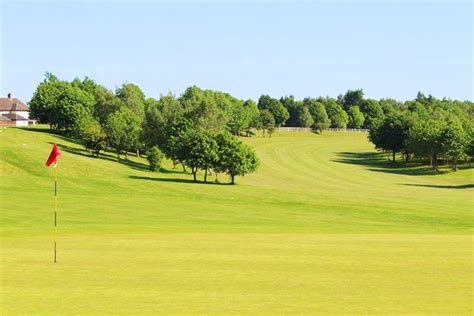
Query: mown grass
{"x": 326, "y": 225}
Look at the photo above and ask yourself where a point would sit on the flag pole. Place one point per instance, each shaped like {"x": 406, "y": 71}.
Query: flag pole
{"x": 55, "y": 210}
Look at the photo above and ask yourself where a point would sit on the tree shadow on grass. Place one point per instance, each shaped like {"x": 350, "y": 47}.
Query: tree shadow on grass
{"x": 378, "y": 162}
{"x": 462, "y": 186}
{"x": 102, "y": 156}
{"x": 177, "y": 180}
{"x": 46, "y": 130}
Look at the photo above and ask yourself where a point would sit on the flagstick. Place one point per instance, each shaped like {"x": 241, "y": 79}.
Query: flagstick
{"x": 55, "y": 208}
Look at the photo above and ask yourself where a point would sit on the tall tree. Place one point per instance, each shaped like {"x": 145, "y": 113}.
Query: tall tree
{"x": 336, "y": 113}
{"x": 279, "y": 112}
{"x": 390, "y": 135}
{"x": 352, "y": 98}
{"x": 235, "y": 158}
{"x": 318, "y": 113}
{"x": 455, "y": 142}
{"x": 356, "y": 118}
{"x": 201, "y": 149}
{"x": 373, "y": 113}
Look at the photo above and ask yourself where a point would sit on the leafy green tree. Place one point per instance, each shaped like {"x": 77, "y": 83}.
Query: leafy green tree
{"x": 235, "y": 158}
{"x": 206, "y": 109}
{"x": 318, "y": 113}
{"x": 154, "y": 157}
{"x": 238, "y": 119}
{"x": 123, "y": 131}
{"x": 279, "y": 112}
{"x": 106, "y": 103}
{"x": 252, "y": 115}
{"x": 455, "y": 142}
{"x": 71, "y": 105}
{"x": 91, "y": 135}
{"x": 356, "y": 118}
{"x": 267, "y": 122}
{"x": 336, "y": 113}
{"x": 352, "y": 98}
{"x": 425, "y": 140}
{"x": 304, "y": 117}
{"x": 390, "y": 135}
{"x": 45, "y": 98}
{"x": 87, "y": 85}
{"x": 201, "y": 151}
{"x": 373, "y": 113}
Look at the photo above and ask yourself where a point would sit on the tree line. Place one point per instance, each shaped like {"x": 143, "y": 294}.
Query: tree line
{"x": 127, "y": 121}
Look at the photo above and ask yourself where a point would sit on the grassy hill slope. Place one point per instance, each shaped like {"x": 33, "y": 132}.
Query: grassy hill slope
{"x": 326, "y": 224}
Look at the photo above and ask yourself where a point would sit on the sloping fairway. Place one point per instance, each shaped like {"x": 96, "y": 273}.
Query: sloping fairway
{"x": 326, "y": 226}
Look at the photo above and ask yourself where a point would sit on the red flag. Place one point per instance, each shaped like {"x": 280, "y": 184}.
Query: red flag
{"x": 53, "y": 156}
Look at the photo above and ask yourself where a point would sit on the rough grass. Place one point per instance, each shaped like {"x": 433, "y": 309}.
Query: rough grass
{"x": 325, "y": 226}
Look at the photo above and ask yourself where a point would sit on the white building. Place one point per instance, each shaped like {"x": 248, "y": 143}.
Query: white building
{"x": 13, "y": 112}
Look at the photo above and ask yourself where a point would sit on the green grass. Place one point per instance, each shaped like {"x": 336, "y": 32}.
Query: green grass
{"x": 326, "y": 226}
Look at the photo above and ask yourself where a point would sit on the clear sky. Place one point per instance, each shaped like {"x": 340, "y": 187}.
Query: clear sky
{"x": 307, "y": 48}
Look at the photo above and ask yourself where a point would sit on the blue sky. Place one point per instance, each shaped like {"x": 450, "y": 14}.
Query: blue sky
{"x": 305, "y": 48}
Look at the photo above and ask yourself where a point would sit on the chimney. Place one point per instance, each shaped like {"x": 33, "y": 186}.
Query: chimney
{"x": 9, "y": 96}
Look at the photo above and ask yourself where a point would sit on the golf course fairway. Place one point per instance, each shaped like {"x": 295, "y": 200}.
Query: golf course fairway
{"x": 325, "y": 226}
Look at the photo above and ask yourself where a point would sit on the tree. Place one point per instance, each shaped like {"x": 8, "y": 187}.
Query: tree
{"x": 373, "y": 113}
{"x": 267, "y": 122}
{"x": 205, "y": 108}
{"x": 238, "y": 119}
{"x": 71, "y": 105}
{"x": 106, "y": 103}
{"x": 455, "y": 142}
{"x": 201, "y": 151}
{"x": 352, "y": 98}
{"x": 154, "y": 157}
{"x": 337, "y": 115}
{"x": 356, "y": 118}
{"x": 318, "y": 113}
{"x": 279, "y": 112}
{"x": 425, "y": 140}
{"x": 45, "y": 98}
{"x": 235, "y": 158}
{"x": 91, "y": 135}
{"x": 122, "y": 131}
{"x": 252, "y": 115}
{"x": 389, "y": 135}
{"x": 132, "y": 97}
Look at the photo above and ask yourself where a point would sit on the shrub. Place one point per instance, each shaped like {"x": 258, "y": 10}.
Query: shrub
{"x": 154, "y": 157}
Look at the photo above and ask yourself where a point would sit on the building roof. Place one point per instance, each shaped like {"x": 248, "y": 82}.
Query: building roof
{"x": 14, "y": 117}
{"x": 12, "y": 104}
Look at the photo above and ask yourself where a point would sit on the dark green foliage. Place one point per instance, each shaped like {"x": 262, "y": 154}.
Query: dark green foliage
{"x": 91, "y": 135}
{"x": 123, "y": 131}
{"x": 267, "y": 122}
{"x": 426, "y": 128}
{"x": 336, "y": 113}
{"x": 390, "y": 135}
{"x": 300, "y": 115}
{"x": 279, "y": 112}
{"x": 352, "y": 98}
{"x": 455, "y": 141}
{"x": 201, "y": 151}
{"x": 235, "y": 158}
{"x": 154, "y": 157}
{"x": 71, "y": 105}
{"x": 318, "y": 113}
{"x": 373, "y": 113}
{"x": 356, "y": 118}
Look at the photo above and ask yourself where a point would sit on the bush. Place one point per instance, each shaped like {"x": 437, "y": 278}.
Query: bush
{"x": 154, "y": 157}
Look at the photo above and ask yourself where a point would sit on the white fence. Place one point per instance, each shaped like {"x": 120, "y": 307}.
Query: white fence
{"x": 308, "y": 129}
{"x": 363, "y": 130}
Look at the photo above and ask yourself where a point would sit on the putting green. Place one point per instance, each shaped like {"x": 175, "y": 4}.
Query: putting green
{"x": 325, "y": 226}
